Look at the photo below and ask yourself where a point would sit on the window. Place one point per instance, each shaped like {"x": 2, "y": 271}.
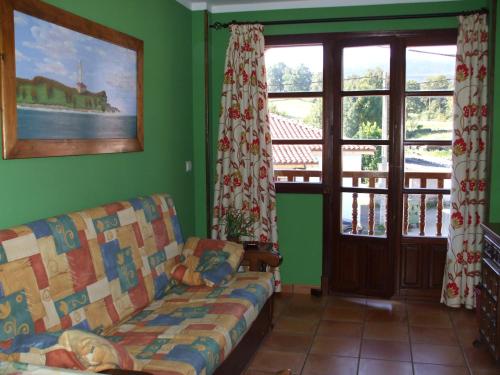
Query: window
{"x": 430, "y": 72}
{"x": 295, "y": 85}
{"x": 386, "y": 101}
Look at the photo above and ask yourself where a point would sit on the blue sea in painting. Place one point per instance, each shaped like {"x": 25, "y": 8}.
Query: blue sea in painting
{"x": 41, "y": 124}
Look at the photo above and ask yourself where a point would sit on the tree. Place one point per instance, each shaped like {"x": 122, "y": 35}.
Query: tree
{"x": 298, "y": 79}
{"x": 275, "y": 75}
{"x": 369, "y": 130}
{"x": 315, "y": 116}
{"x": 358, "y": 110}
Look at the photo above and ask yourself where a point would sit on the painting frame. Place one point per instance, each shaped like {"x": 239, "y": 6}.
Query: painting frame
{"x": 15, "y": 148}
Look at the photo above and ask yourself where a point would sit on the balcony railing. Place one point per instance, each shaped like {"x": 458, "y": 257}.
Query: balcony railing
{"x": 373, "y": 179}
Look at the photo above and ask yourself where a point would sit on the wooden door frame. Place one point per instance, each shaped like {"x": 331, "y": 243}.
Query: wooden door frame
{"x": 329, "y": 188}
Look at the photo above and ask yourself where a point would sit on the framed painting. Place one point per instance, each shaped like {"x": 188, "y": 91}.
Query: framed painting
{"x": 69, "y": 86}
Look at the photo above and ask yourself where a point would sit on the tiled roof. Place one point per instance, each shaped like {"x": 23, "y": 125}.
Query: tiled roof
{"x": 286, "y": 128}
{"x": 293, "y": 154}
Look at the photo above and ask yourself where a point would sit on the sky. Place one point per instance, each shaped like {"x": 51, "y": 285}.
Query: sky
{"x": 422, "y": 62}
{"x": 45, "y": 49}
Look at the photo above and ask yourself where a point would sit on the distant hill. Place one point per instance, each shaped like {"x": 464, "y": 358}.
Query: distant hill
{"x": 42, "y": 92}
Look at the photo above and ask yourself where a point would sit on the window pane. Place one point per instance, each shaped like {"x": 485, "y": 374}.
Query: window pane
{"x": 430, "y": 68}
{"x": 366, "y": 68}
{"x": 427, "y": 159}
{"x": 297, "y": 163}
{"x": 365, "y": 117}
{"x": 364, "y": 166}
{"x": 296, "y": 118}
{"x": 364, "y": 213}
{"x": 429, "y": 117}
{"x": 426, "y": 215}
{"x": 294, "y": 69}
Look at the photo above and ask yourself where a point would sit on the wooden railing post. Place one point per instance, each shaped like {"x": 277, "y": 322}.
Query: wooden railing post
{"x": 371, "y": 207}
{"x": 291, "y": 175}
{"x": 405, "y": 207}
{"x": 439, "y": 216}
{"x": 354, "y": 223}
{"x": 423, "y": 184}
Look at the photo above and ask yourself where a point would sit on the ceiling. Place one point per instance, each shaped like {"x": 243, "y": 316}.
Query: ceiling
{"x": 223, "y": 6}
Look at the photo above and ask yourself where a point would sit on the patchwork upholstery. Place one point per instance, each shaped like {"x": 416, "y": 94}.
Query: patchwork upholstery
{"x": 193, "y": 329}
{"x": 207, "y": 261}
{"x": 88, "y": 270}
{"x": 74, "y": 349}
{"x": 106, "y": 271}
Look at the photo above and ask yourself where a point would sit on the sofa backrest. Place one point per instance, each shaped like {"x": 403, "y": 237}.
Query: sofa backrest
{"x": 90, "y": 269}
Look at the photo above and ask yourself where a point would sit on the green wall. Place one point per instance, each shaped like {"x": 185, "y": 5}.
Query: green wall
{"x": 300, "y": 216}
{"x": 37, "y": 188}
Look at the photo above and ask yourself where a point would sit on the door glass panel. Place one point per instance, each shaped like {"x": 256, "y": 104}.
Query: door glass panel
{"x": 365, "y": 166}
{"x": 298, "y": 162}
{"x": 365, "y": 117}
{"x": 296, "y": 118}
{"x": 430, "y": 67}
{"x": 427, "y": 159}
{"x": 364, "y": 214}
{"x": 294, "y": 69}
{"x": 426, "y": 215}
{"x": 429, "y": 117}
{"x": 366, "y": 68}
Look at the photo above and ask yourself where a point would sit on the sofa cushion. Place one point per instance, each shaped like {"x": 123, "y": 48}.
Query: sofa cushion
{"x": 207, "y": 261}
{"x": 89, "y": 269}
{"x": 194, "y": 328}
{"x": 68, "y": 349}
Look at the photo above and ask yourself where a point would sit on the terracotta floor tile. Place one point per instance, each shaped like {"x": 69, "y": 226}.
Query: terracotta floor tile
{"x": 383, "y": 349}
{"x": 378, "y": 367}
{"x": 386, "y": 315}
{"x": 467, "y": 336}
{"x": 286, "y": 342}
{"x": 386, "y": 331}
{"x": 303, "y": 312}
{"x": 436, "y": 319}
{"x": 463, "y": 318}
{"x": 257, "y": 372}
{"x": 346, "y": 301}
{"x": 344, "y": 314}
{"x": 480, "y": 358}
{"x": 427, "y": 369}
{"x": 414, "y": 307}
{"x": 430, "y": 335}
{"x": 485, "y": 372}
{"x": 319, "y": 364}
{"x": 295, "y": 325}
{"x": 272, "y": 360}
{"x": 307, "y": 299}
{"x": 339, "y": 329}
{"x": 438, "y": 354}
{"x": 344, "y": 346}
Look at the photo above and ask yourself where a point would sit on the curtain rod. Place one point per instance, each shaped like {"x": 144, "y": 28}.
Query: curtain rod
{"x": 219, "y": 25}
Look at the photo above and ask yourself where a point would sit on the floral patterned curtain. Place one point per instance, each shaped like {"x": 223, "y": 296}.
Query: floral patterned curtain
{"x": 244, "y": 158}
{"x": 468, "y": 196}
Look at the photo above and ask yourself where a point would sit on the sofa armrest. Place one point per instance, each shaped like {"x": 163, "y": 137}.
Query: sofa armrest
{"x": 257, "y": 260}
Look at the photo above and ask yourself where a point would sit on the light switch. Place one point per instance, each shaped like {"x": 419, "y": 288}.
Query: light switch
{"x": 189, "y": 165}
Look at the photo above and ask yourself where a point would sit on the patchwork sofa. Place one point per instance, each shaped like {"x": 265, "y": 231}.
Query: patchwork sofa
{"x": 92, "y": 290}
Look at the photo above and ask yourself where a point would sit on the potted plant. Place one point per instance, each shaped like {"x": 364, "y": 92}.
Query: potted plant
{"x": 237, "y": 225}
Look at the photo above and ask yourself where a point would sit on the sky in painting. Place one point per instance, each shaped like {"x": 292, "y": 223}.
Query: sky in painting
{"x": 45, "y": 49}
